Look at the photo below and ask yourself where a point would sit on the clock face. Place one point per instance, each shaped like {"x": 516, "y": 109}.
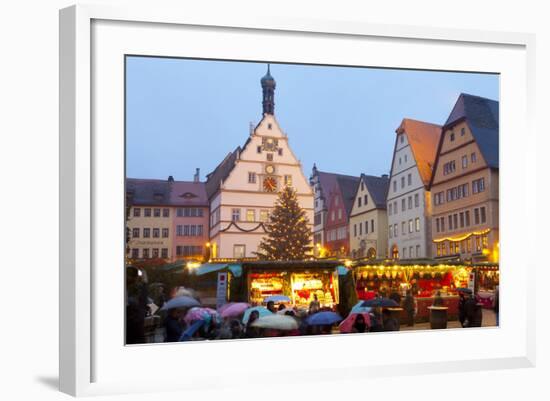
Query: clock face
{"x": 270, "y": 144}
{"x": 269, "y": 169}
{"x": 270, "y": 184}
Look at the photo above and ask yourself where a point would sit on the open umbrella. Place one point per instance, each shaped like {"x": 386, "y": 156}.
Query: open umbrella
{"x": 205, "y": 314}
{"x": 234, "y": 309}
{"x": 380, "y": 303}
{"x": 188, "y": 292}
{"x": 277, "y": 298}
{"x": 223, "y": 307}
{"x": 346, "y": 326}
{"x": 277, "y": 322}
{"x": 180, "y": 302}
{"x": 261, "y": 310}
{"x": 323, "y": 318}
{"x": 191, "y": 330}
{"x": 358, "y": 308}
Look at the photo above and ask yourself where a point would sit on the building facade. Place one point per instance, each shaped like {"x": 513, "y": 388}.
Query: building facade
{"x": 408, "y": 199}
{"x": 368, "y": 219}
{"x": 167, "y": 219}
{"x": 243, "y": 188}
{"x": 322, "y": 183}
{"x": 336, "y": 226}
{"x": 465, "y": 186}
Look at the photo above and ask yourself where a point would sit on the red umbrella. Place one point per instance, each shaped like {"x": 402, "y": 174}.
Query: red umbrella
{"x": 347, "y": 324}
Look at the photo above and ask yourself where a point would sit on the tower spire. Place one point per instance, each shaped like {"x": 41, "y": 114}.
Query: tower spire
{"x": 268, "y": 89}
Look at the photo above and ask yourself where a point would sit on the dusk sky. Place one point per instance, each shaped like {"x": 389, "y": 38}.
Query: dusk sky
{"x": 183, "y": 114}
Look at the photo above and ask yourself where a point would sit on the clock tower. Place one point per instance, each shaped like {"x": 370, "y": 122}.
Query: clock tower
{"x": 244, "y": 187}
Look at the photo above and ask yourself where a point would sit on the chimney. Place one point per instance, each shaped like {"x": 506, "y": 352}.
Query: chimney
{"x": 170, "y": 178}
{"x": 196, "y": 177}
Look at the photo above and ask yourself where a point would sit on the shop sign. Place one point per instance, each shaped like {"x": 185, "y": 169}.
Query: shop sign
{"x": 221, "y": 293}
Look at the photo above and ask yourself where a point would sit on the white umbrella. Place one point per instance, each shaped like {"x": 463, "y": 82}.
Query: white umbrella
{"x": 278, "y": 322}
{"x": 180, "y": 302}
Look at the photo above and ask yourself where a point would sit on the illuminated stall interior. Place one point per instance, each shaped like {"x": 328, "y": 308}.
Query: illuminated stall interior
{"x": 423, "y": 279}
{"x": 300, "y": 282}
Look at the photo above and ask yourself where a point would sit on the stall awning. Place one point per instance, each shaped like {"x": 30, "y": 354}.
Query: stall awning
{"x": 235, "y": 269}
{"x": 342, "y": 270}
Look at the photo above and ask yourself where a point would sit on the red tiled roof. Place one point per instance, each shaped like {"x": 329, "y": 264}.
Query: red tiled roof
{"x": 423, "y": 138}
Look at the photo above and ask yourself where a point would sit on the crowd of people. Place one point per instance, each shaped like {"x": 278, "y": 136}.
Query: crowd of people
{"x": 376, "y": 319}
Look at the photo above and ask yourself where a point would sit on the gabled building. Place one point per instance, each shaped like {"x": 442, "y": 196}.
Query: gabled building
{"x": 167, "y": 219}
{"x": 368, "y": 219}
{"x": 465, "y": 183}
{"x": 408, "y": 200}
{"x": 243, "y": 188}
{"x": 322, "y": 184}
{"x": 336, "y": 227}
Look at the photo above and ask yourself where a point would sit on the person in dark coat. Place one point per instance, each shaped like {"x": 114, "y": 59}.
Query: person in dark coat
{"x": 136, "y": 306}
{"x": 390, "y": 323}
{"x": 359, "y": 326}
{"x": 408, "y": 305}
{"x": 173, "y": 326}
{"x": 251, "y": 331}
{"x": 438, "y": 299}
{"x": 473, "y": 312}
{"x": 375, "y": 321}
{"x": 496, "y": 304}
{"x": 462, "y": 308}
{"x": 395, "y": 296}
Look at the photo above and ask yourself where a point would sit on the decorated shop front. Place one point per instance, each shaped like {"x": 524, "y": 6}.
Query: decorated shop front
{"x": 425, "y": 279}
{"x": 301, "y": 282}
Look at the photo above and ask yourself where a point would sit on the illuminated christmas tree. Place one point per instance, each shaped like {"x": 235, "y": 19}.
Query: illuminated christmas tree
{"x": 288, "y": 234}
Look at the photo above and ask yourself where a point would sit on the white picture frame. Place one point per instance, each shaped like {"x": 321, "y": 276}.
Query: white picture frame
{"x": 92, "y": 38}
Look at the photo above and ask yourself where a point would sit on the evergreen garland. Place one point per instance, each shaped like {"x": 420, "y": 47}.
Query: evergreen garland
{"x": 288, "y": 235}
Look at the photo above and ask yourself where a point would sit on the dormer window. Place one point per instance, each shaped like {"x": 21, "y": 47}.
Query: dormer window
{"x": 188, "y": 195}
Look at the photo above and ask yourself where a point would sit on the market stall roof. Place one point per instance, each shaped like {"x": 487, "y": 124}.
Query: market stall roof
{"x": 307, "y": 264}
{"x": 342, "y": 270}
{"x": 418, "y": 262}
{"x": 206, "y": 268}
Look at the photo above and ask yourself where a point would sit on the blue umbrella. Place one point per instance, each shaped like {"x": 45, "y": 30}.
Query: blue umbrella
{"x": 191, "y": 330}
{"x": 323, "y": 318}
{"x": 277, "y": 298}
{"x": 180, "y": 302}
{"x": 261, "y": 310}
{"x": 380, "y": 302}
{"x": 359, "y": 308}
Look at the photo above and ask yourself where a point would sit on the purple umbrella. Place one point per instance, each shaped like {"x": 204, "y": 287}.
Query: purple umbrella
{"x": 323, "y": 318}
{"x": 206, "y": 314}
{"x": 235, "y": 309}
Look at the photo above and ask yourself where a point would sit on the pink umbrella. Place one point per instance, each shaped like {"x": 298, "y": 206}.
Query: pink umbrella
{"x": 198, "y": 313}
{"x": 225, "y": 306}
{"x": 347, "y": 324}
{"x": 234, "y": 309}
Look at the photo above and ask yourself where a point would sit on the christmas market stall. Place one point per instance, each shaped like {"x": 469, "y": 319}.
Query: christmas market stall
{"x": 300, "y": 281}
{"x": 487, "y": 277}
{"x": 425, "y": 279}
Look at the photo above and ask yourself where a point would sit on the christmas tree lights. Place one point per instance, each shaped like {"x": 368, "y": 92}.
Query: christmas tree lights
{"x": 288, "y": 234}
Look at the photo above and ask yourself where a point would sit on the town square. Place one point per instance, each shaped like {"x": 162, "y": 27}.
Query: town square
{"x": 279, "y": 240}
